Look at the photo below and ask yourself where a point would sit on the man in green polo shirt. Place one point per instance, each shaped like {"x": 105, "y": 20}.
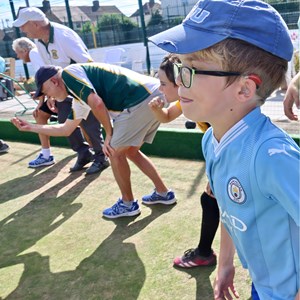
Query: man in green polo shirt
{"x": 116, "y": 96}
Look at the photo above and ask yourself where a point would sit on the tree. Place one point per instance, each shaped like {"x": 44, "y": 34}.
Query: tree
{"x": 86, "y": 27}
{"x": 156, "y": 19}
{"x": 115, "y": 22}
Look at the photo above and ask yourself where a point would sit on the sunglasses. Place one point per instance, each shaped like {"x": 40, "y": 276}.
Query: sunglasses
{"x": 187, "y": 74}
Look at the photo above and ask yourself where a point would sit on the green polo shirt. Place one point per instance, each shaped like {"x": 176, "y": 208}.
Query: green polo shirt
{"x": 118, "y": 87}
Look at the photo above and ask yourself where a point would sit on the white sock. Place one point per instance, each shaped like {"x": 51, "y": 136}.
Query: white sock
{"x": 163, "y": 194}
{"x": 127, "y": 203}
{"x": 46, "y": 152}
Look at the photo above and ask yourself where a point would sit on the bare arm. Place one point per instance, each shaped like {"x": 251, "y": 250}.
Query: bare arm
{"x": 101, "y": 113}
{"x": 292, "y": 97}
{"x": 164, "y": 115}
{"x": 223, "y": 284}
{"x": 64, "y": 129}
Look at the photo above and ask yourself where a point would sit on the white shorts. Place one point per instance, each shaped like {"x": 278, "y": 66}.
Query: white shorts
{"x": 135, "y": 125}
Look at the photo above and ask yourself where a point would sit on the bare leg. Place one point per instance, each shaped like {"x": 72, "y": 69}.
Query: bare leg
{"x": 121, "y": 170}
{"x": 122, "y": 173}
{"x": 147, "y": 167}
{"x": 42, "y": 118}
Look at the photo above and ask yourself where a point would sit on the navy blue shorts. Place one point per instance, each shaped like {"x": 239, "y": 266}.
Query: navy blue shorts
{"x": 254, "y": 294}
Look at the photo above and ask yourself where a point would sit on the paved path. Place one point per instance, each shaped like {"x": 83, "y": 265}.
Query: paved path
{"x": 273, "y": 108}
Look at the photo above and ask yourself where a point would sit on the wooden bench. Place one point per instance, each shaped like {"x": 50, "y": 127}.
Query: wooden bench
{"x": 10, "y": 64}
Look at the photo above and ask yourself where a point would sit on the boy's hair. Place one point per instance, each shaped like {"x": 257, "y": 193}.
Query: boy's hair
{"x": 167, "y": 66}
{"x": 238, "y": 56}
{"x": 23, "y": 43}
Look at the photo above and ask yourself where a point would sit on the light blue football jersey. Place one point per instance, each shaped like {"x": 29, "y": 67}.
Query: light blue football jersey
{"x": 254, "y": 173}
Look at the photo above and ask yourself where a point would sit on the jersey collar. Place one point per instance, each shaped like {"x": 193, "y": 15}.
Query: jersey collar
{"x": 51, "y": 36}
{"x": 235, "y": 131}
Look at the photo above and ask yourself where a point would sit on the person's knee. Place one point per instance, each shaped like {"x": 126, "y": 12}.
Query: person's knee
{"x": 125, "y": 153}
{"x": 132, "y": 152}
{"x": 118, "y": 154}
{"x": 42, "y": 117}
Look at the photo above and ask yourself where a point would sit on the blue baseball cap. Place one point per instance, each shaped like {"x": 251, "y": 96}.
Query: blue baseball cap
{"x": 42, "y": 75}
{"x": 212, "y": 21}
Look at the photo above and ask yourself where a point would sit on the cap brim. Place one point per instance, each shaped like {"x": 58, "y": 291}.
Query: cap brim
{"x": 38, "y": 93}
{"x": 183, "y": 39}
{"x": 18, "y": 23}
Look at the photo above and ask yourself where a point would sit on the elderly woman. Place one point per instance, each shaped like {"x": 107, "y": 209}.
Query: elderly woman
{"x": 27, "y": 51}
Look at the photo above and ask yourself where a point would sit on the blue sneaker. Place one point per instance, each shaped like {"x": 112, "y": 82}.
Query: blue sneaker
{"x": 119, "y": 209}
{"x": 3, "y": 147}
{"x": 41, "y": 161}
{"x": 155, "y": 198}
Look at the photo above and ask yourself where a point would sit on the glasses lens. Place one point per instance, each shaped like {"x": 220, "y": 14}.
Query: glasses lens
{"x": 186, "y": 76}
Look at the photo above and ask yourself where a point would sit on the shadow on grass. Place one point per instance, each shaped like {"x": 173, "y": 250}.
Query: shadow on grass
{"x": 42, "y": 215}
{"x": 113, "y": 271}
{"x": 201, "y": 275}
{"x": 196, "y": 181}
{"x": 25, "y": 185}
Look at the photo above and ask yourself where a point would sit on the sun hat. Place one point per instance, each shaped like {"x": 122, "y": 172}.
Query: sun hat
{"x": 29, "y": 14}
{"x": 42, "y": 75}
{"x": 212, "y": 21}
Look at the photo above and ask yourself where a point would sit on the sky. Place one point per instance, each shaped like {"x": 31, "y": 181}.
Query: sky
{"x": 127, "y": 7}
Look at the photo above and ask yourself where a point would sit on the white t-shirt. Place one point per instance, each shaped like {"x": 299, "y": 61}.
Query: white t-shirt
{"x": 35, "y": 59}
{"x": 64, "y": 47}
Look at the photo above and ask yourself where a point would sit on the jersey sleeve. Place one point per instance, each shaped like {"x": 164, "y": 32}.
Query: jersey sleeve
{"x": 177, "y": 103}
{"x": 77, "y": 82}
{"x": 277, "y": 166}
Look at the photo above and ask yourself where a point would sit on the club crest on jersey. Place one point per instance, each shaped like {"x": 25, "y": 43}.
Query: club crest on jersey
{"x": 54, "y": 54}
{"x": 235, "y": 191}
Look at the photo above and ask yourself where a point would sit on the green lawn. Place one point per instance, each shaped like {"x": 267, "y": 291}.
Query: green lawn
{"x": 56, "y": 245}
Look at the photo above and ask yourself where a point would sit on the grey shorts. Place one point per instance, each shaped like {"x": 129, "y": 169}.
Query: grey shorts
{"x": 135, "y": 125}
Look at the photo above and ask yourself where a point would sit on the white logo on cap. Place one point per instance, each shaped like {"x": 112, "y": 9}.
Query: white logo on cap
{"x": 197, "y": 15}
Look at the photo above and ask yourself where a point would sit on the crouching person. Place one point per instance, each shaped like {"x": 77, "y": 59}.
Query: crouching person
{"x": 116, "y": 93}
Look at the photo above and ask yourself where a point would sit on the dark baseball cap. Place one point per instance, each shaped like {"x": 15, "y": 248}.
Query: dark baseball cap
{"x": 212, "y": 21}
{"x": 42, "y": 75}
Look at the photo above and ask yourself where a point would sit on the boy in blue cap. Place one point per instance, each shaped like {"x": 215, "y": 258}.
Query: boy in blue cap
{"x": 234, "y": 54}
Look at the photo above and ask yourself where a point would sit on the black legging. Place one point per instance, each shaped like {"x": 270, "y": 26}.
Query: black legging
{"x": 209, "y": 225}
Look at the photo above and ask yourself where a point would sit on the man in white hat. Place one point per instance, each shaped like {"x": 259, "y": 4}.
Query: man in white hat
{"x": 61, "y": 46}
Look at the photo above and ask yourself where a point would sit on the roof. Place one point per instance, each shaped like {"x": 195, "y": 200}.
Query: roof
{"x": 147, "y": 9}
{"x": 92, "y": 15}
{"x": 79, "y": 13}
{"x": 60, "y": 13}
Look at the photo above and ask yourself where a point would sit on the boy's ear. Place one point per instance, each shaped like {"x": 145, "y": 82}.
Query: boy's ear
{"x": 247, "y": 89}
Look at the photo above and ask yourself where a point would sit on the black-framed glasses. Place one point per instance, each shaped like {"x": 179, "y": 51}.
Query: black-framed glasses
{"x": 187, "y": 74}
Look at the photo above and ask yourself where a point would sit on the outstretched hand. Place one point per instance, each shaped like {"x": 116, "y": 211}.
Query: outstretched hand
{"x": 22, "y": 125}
